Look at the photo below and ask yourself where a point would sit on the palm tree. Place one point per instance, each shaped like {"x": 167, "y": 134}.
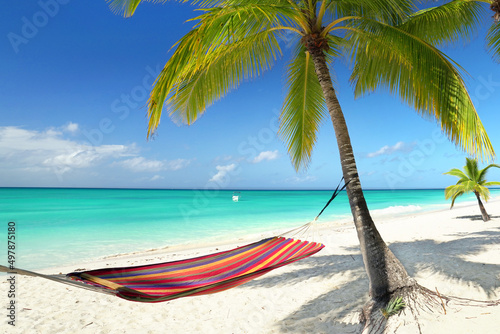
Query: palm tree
{"x": 471, "y": 179}
{"x": 234, "y": 40}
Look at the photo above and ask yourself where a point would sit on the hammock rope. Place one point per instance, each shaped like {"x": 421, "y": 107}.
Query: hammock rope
{"x": 335, "y": 193}
{"x": 306, "y": 228}
{"x": 56, "y": 278}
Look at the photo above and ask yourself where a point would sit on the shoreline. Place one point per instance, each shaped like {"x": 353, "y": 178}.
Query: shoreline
{"x": 211, "y": 244}
{"x": 56, "y": 238}
{"x": 447, "y": 250}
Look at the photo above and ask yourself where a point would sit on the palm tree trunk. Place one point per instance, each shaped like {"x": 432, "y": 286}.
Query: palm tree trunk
{"x": 481, "y": 207}
{"x": 385, "y": 272}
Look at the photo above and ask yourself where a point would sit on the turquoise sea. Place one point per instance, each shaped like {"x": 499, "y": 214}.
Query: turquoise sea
{"x": 60, "y": 226}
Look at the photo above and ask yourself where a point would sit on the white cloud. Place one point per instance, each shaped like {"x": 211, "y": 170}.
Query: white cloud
{"x": 177, "y": 164}
{"x": 388, "y": 150}
{"x": 71, "y": 127}
{"x": 301, "y": 179}
{"x": 266, "y": 155}
{"x": 48, "y": 150}
{"x": 222, "y": 171}
{"x": 53, "y": 157}
{"x": 141, "y": 164}
{"x": 156, "y": 178}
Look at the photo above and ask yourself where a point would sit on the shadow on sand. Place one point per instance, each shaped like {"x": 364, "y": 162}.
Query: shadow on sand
{"x": 325, "y": 313}
{"x": 475, "y": 217}
{"x": 449, "y": 258}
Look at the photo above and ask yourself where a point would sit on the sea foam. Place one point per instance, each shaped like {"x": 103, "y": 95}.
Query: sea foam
{"x": 396, "y": 210}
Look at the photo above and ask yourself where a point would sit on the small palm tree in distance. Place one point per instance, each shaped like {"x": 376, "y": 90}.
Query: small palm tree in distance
{"x": 471, "y": 179}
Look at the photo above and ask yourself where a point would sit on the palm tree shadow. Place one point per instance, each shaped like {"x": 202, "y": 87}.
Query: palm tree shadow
{"x": 334, "y": 311}
{"x": 449, "y": 258}
{"x": 475, "y": 217}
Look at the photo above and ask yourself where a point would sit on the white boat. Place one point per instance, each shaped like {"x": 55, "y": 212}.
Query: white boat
{"x": 236, "y": 196}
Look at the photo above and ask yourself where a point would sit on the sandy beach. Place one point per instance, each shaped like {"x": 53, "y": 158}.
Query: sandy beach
{"x": 452, "y": 251}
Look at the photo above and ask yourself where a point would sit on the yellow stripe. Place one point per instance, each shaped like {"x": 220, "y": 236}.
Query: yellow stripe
{"x": 272, "y": 258}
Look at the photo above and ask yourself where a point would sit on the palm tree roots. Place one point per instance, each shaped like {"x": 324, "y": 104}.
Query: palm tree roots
{"x": 416, "y": 301}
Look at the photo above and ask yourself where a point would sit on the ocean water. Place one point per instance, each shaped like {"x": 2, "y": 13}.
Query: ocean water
{"x": 56, "y": 227}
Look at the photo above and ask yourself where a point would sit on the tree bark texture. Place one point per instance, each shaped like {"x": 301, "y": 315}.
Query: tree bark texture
{"x": 481, "y": 207}
{"x": 385, "y": 272}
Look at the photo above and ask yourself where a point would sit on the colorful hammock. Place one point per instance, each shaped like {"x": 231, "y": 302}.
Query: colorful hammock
{"x": 198, "y": 276}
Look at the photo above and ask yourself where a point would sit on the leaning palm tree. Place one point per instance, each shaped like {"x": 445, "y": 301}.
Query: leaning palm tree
{"x": 471, "y": 179}
{"x": 234, "y": 40}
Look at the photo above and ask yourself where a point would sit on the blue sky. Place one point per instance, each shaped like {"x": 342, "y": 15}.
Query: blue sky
{"x": 74, "y": 84}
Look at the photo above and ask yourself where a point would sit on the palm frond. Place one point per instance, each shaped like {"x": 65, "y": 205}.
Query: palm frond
{"x": 453, "y": 192}
{"x": 457, "y": 194}
{"x": 493, "y": 40}
{"x": 483, "y": 192}
{"x": 454, "y": 21}
{"x": 469, "y": 186}
{"x": 450, "y": 191}
{"x": 303, "y": 110}
{"x": 336, "y": 44}
{"x": 387, "y": 57}
{"x": 471, "y": 169}
{"x": 491, "y": 183}
{"x": 483, "y": 172}
{"x": 458, "y": 173}
{"x": 125, "y": 7}
{"x": 228, "y": 45}
{"x": 389, "y": 11}
{"x": 229, "y": 67}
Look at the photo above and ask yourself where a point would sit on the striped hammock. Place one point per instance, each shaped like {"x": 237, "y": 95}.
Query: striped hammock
{"x": 198, "y": 276}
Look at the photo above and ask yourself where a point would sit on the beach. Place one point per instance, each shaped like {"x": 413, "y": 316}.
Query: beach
{"x": 451, "y": 251}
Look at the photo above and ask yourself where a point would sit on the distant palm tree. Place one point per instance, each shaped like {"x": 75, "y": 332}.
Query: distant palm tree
{"x": 473, "y": 180}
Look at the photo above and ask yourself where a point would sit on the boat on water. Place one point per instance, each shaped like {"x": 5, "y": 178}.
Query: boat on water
{"x": 236, "y": 196}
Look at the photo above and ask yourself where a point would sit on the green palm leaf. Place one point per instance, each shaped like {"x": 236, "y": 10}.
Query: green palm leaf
{"x": 492, "y": 183}
{"x": 493, "y": 40}
{"x": 386, "y": 57}
{"x": 227, "y": 46}
{"x": 389, "y": 11}
{"x": 452, "y": 22}
{"x": 453, "y": 192}
{"x": 471, "y": 169}
{"x": 125, "y": 7}
{"x": 229, "y": 67}
{"x": 483, "y": 192}
{"x": 303, "y": 110}
{"x": 458, "y": 173}
{"x": 483, "y": 172}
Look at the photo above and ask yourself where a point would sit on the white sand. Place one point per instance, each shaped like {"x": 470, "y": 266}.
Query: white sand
{"x": 451, "y": 250}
